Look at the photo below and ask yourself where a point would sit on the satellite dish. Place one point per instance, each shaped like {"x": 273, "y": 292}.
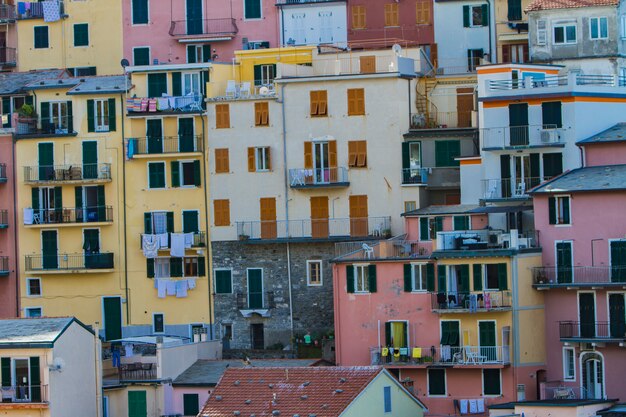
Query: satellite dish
{"x": 57, "y": 364}
{"x": 396, "y": 48}
{"x": 264, "y": 91}
{"x": 124, "y": 63}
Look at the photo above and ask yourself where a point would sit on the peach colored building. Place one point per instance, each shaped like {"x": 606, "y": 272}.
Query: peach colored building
{"x": 8, "y": 253}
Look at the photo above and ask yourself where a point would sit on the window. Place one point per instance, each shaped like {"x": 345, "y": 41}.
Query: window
{"x": 252, "y": 9}
{"x": 429, "y": 226}
{"x": 552, "y": 165}
{"x": 226, "y": 331}
{"x": 515, "y": 53}
{"x": 157, "y": 84}
{"x": 190, "y": 267}
{"x": 140, "y": 12}
{"x": 491, "y": 382}
{"x": 551, "y": 115}
{"x": 81, "y": 34}
{"x": 261, "y": 114}
{"x": 361, "y": 278}
{"x": 569, "y": 364}
{"x": 419, "y": 277}
{"x": 475, "y": 16}
{"x": 387, "y": 399}
{"x": 223, "y": 281}
{"x": 101, "y": 115}
{"x": 391, "y": 14}
{"x": 446, "y": 151}
{"x": 396, "y": 334}
{"x": 191, "y": 83}
{"x": 222, "y": 116}
{"x": 564, "y": 33}
{"x": 264, "y": 74}
{"x": 598, "y": 28}
{"x": 490, "y": 277}
{"x": 474, "y": 57}
{"x": 41, "y": 37}
{"x": 409, "y": 206}
{"x": 33, "y": 287}
{"x": 461, "y": 223}
{"x": 559, "y": 210}
{"x": 357, "y": 153}
{"x": 356, "y": 102}
{"x": 358, "y": 17}
{"x": 83, "y": 71}
{"x": 259, "y": 159}
{"x": 221, "y": 212}
{"x": 156, "y": 174}
{"x": 622, "y": 28}
{"x": 141, "y": 56}
{"x": 162, "y": 267}
{"x": 514, "y": 10}
{"x": 314, "y": 273}
{"x": 33, "y": 312}
{"x": 617, "y": 260}
{"x": 191, "y": 404}
{"x": 319, "y": 103}
{"x": 422, "y": 12}
{"x": 186, "y": 173}
{"x": 158, "y": 222}
{"x": 158, "y": 323}
{"x": 436, "y": 382}
{"x": 198, "y": 53}
{"x": 222, "y": 165}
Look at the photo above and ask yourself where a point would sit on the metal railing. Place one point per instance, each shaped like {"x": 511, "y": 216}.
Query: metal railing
{"x": 137, "y": 371}
{"x": 72, "y": 172}
{"x": 24, "y": 393}
{"x": 4, "y": 219}
{"x": 441, "y": 355}
{"x": 302, "y": 1}
{"x": 471, "y": 301}
{"x": 581, "y": 275}
{"x": 486, "y": 239}
{"x": 56, "y": 125}
{"x": 499, "y": 188}
{"x": 521, "y": 136}
{"x": 3, "y": 172}
{"x": 7, "y": 55}
{"x": 69, "y": 262}
{"x": 456, "y": 66}
{"x": 36, "y": 11}
{"x": 4, "y": 265}
{"x": 302, "y": 177}
{"x": 383, "y": 249}
{"x": 147, "y": 105}
{"x": 241, "y": 90}
{"x": 166, "y": 144}
{"x": 560, "y": 391}
{"x": 441, "y": 120}
{"x": 592, "y": 330}
{"x": 571, "y": 79}
{"x": 7, "y": 12}
{"x": 414, "y": 175}
{"x": 213, "y": 27}
{"x": 315, "y": 228}
{"x": 67, "y": 215}
{"x": 198, "y": 240}
{"x": 255, "y": 300}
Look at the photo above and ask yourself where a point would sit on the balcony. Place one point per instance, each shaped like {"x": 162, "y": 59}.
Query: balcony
{"x": 195, "y": 240}
{"x": 383, "y": 249}
{"x": 3, "y": 173}
{"x": 48, "y": 127}
{"x": 4, "y": 266}
{"x": 68, "y": 216}
{"x": 301, "y": 178}
{"x": 507, "y": 188}
{"x": 8, "y": 13}
{"x": 171, "y": 105}
{"x": 414, "y": 176}
{"x": 553, "y": 84}
{"x": 442, "y": 120}
{"x": 599, "y": 331}
{"x": 314, "y": 229}
{"x": 24, "y": 396}
{"x": 219, "y": 91}
{"x": 485, "y": 240}
{"x": 431, "y": 177}
{"x": 258, "y": 303}
{"x": 36, "y": 11}
{"x": 7, "y": 55}
{"x": 212, "y": 28}
{"x": 474, "y": 302}
{"x": 157, "y": 146}
{"x": 457, "y": 66}
{"x": 68, "y": 174}
{"x": 455, "y": 356}
{"x": 70, "y": 263}
{"x": 560, "y": 390}
{"x": 521, "y": 137}
{"x": 579, "y": 276}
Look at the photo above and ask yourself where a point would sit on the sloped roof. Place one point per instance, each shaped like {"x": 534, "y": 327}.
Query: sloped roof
{"x": 109, "y": 84}
{"x": 567, "y": 4}
{"x": 41, "y": 331}
{"x": 596, "y": 178}
{"x": 442, "y": 210}
{"x": 16, "y": 82}
{"x": 616, "y": 133}
{"x": 319, "y": 391}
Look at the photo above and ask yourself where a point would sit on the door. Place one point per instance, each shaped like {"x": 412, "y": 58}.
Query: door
{"x": 154, "y": 136}
{"x": 358, "y": 215}
{"x": 90, "y": 160}
{"x": 49, "y": 249}
{"x": 21, "y": 379}
{"x": 618, "y": 261}
{"x": 321, "y": 163}
{"x": 592, "y": 376}
{"x": 256, "y": 335}
{"x": 587, "y": 314}
{"x": 91, "y": 203}
{"x": 46, "y": 161}
{"x": 137, "y": 404}
{"x": 520, "y": 182}
{"x": 564, "y": 270}
{"x": 617, "y": 316}
{"x": 411, "y": 163}
{"x": 91, "y": 247}
{"x": 185, "y": 135}
{"x": 194, "y": 17}
{"x": 112, "y": 310}
{"x": 319, "y": 217}
{"x": 255, "y": 289}
{"x": 518, "y": 122}
{"x": 487, "y": 340}
{"x": 59, "y": 117}
{"x": 268, "y": 218}
{"x": 464, "y": 107}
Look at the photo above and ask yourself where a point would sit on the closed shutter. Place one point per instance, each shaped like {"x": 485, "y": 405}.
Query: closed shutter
{"x": 150, "y": 268}
{"x": 255, "y": 288}
{"x": 35, "y": 379}
{"x": 535, "y": 173}
{"x": 251, "y": 159}
{"x": 552, "y": 210}
{"x": 58, "y": 201}
{"x": 258, "y": 75}
{"x": 221, "y": 161}
{"x": 221, "y": 210}
{"x": 169, "y": 220}
{"x": 147, "y": 223}
{"x": 461, "y": 223}
{"x": 45, "y": 112}
{"x": 6, "y": 109}
{"x": 70, "y": 117}
{"x": 408, "y": 279}
{"x": 551, "y": 114}
{"x": 78, "y": 197}
{"x": 201, "y": 266}
{"x": 446, "y": 151}
{"x": 388, "y": 334}
{"x": 436, "y": 381}
{"x": 177, "y": 85}
{"x": 566, "y": 217}
{"x": 191, "y": 404}
{"x": 464, "y": 280}
{"x": 140, "y": 12}
{"x": 223, "y": 282}
{"x": 478, "y": 277}
{"x": 222, "y": 116}
{"x": 441, "y": 279}
{"x": 137, "y": 404}
{"x": 371, "y": 276}
{"x": 308, "y": 155}
{"x": 190, "y": 221}
{"x": 197, "y": 178}
{"x": 506, "y": 53}
{"x": 514, "y": 10}
{"x": 502, "y": 277}
{"x": 91, "y": 125}
{"x": 491, "y": 382}
{"x": 141, "y": 56}
{"x": 101, "y": 201}
{"x": 176, "y": 267}
{"x": 350, "y": 278}
{"x": 253, "y": 9}
{"x": 552, "y": 165}
{"x": 564, "y": 262}
{"x": 438, "y": 224}
{"x": 485, "y": 13}
{"x": 175, "y": 168}
{"x": 112, "y": 307}
{"x": 6, "y": 372}
{"x": 35, "y": 198}
{"x": 112, "y": 116}
{"x": 505, "y": 174}
{"x": 90, "y": 159}
{"x": 81, "y": 34}
{"x": 430, "y": 277}
{"x": 466, "y": 16}
{"x": 406, "y": 163}
{"x": 157, "y": 84}
{"x": 424, "y": 232}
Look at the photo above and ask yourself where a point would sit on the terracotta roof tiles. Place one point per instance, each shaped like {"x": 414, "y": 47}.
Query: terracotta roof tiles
{"x": 567, "y": 4}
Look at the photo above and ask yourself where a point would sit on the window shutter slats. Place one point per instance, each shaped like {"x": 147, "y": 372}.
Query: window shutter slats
{"x": 408, "y": 284}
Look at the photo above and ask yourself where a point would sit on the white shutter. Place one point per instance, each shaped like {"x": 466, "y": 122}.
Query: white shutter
{"x": 542, "y": 33}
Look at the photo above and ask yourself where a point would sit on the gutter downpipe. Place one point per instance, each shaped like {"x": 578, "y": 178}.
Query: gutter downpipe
{"x": 15, "y": 237}
{"x": 209, "y": 247}
{"x": 124, "y": 204}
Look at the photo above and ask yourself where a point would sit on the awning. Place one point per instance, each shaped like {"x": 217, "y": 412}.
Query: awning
{"x": 500, "y": 209}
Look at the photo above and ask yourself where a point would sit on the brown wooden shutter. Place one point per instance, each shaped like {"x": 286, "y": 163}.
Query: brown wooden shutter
{"x": 308, "y": 155}
{"x": 221, "y": 161}
{"x": 332, "y": 154}
{"x": 322, "y": 99}
{"x": 319, "y": 217}
{"x": 525, "y": 52}
{"x": 258, "y": 114}
{"x": 221, "y": 212}
{"x": 268, "y": 218}
{"x": 368, "y": 64}
{"x": 361, "y": 160}
{"x": 358, "y": 215}
{"x": 268, "y": 158}
{"x": 391, "y": 14}
{"x": 314, "y": 103}
{"x": 352, "y": 153}
{"x": 359, "y": 101}
{"x": 358, "y": 17}
{"x": 434, "y": 56}
{"x": 351, "y": 94}
{"x": 265, "y": 114}
{"x": 506, "y": 54}
{"x": 222, "y": 116}
{"x": 251, "y": 159}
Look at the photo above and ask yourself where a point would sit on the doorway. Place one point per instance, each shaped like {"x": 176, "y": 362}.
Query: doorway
{"x": 257, "y": 336}
{"x": 592, "y": 375}
{"x": 319, "y": 217}
{"x": 587, "y": 314}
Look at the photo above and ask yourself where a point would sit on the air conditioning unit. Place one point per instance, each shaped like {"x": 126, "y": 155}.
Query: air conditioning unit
{"x": 549, "y": 135}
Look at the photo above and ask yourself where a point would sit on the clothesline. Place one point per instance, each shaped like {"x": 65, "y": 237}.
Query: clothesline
{"x": 179, "y": 288}
{"x": 176, "y": 242}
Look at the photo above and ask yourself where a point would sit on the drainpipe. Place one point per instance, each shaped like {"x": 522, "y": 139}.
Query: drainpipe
{"x": 582, "y": 156}
{"x": 493, "y": 58}
{"x": 15, "y": 240}
{"x": 209, "y": 270}
{"x": 128, "y": 321}
{"x": 514, "y": 322}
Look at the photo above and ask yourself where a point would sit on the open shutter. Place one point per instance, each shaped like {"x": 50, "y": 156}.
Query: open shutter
{"x": 58, "y": 201}
{"x": 201, "y": 266}
{"x": 441, "y": 278}
{"x": 308, "y": 155}
{"x": 35, "y": 198}
{"x": 268, "y": 158}
{"x": 552, "y": 210}
{"x": 350, "y": 278}
{"x": 6, "y": 109}
{"x": 388, "y": 333}
{"x": 485, "y": 13}
{"x": 251, "y": 160}
{"x": 502, "y": 277}
{"x": 464, "y": 279}
{"x": 371, "y": 275}
{"x": 177, "y": 85}
{"x": 150, "y": 267}
{"x": 408, "y": 284}
{"x": 505, "y": 174}
{"x": 258, "y": 75}
{"x": 506, "y": 54}
{"x": 445, "y": 332}
{"x": 197, "y": 179}
{"x": 534, "y": 170}
{"x": 169, "y": 216}
{"x": 466, "y": 16}
{"x": 91, "y": 125}
{"x": 35, "y": 379}
{"x": 175, "y": 166}
{"x": 191, "y": 54}
{"x": 6, "y": 372}
{"x": 430, "y": 277}
{"x": 206, "y": 53}
{"x": 424, "y": 233}
{"x": 332, "y": 154}
{"x": 101, "y": 201}
{"x": 147, "y": 223}
{"x": 406, "y": 163}
{"x": 45, "y": 111}
{"x": 566, "y": 218}
{"x": 478, "y": 277}
{"x": 70, "y": 117}
{"x": 112, "y": 115}
{"x": 176, "y": 267}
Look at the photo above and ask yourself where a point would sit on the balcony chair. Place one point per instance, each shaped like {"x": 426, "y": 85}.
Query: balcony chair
{"x": 368, "y": 251}
{"x": 245, "y": 89}
{"x": 8, "y": 394}
{"x": 231, "y": 89}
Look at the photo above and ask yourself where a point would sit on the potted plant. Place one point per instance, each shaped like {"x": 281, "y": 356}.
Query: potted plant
{"x": 244, "y": 237}
{"x": 27, "y": 119}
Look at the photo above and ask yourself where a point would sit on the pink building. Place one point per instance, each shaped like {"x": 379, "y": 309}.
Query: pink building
{"x": 8, "y": 36}
{"x": 8, "y": 255}
{"x": 191, "y": 31}
{"x": 579, "y": 216}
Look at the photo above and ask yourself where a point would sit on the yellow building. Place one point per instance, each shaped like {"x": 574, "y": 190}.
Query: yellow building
{"x": 511, "y": 27}
{"x": 84, "y": 36}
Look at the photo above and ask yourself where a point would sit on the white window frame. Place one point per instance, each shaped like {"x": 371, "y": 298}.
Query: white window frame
{"x": 252, "y": 18}
{"x": 154, "y": 314}
{"x": 161, "y": 262}
{"x": 164, "y": 175}
{"x": 132, "y": 18}
{"x": 74, "y": 34}
{"x": 103, "y": 124}
{"x": 265, "y": 74}
{"x": 566, "y": 374}
{"x": 28, "y": 293}
{"x": 557, "y": 209}
{"x": 418, "y": 273}
{"x": 188, "y": 83}
{"x": 471, "y": 16}
{"x": 180, "y": 173}
{"x": 142, "y": 47}
{"x": 260, "y": 158}
{"x": 27, "y": 311}
{"x": 308, "y": 273}
{"x": 564, "y": 26}
{"x": 597, "y": 21}
{"x": 361, "y": 273}
{"x": 482, "y": 377}
{"x": 485, "y": 281}
{"x": 445, "y": 383}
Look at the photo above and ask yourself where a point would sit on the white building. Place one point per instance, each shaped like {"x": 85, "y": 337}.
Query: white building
{"x": 312, "y": 23}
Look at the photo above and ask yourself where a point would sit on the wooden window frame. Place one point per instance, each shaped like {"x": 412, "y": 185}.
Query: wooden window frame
{"x": 392, "y": 14}
{"x": 309, "y": 281}
{"x": 261, "y": 114}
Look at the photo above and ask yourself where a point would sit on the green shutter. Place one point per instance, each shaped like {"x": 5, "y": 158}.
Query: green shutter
{"x": 78, "y": 197}
{"x": 371, "y": 276}
{"x": 485, "y": 13}
{"x": 464, "y": 284}
{"x": 438, "y": 224}
{"x": 441, "y": 278}
{"x": 505, "y": 174}
{"x": 551, "y": 114}
{"x": 6, "y": 109}
{"x": 112, "y": 115}
{"x": 552, "y": 210}
{"x": 502, "y": 277}
{"x": 45, "y": 111}
{"x": 140, "y": 12}
{"x": 387, "y": 333}
{"x": 91, "y": 123}
{"x": 112, "y": 317}
{"x": 35, "y": 198}
{"x": 445, "y": 333}
{"x": 58, "y": 201}
{"x": 35, "y": 379}
{"x": 101, "y": 201}
{"x": 408, "y": 281}
{"x": 430, "y": 277}
{"x": 170, "y": 221}
{"x": 454, "y": 332}
{"x": 175, "y": 166}
{"x": 191, "y": 404}
{"x": 350, "y": 278}
{"x": 197, "y": 178}
{"x": 206, "y": 53}
{"x": 190, "y": 221}
{"x": 201, "y": 266}
{"x": 436, "y": 381}
{"x": 90, "y": 159}
{"x": 466, "y": 16}
{"x": 566, "y": 216}
{"x": 552, "y": 165}
{"x": 252, "y": 9}
{"x": 150, "y": 268}
{"x": 141, "y": 56}
{"x": 137, "y": 404}
{"x": 191, "y": 54}
{"x": 70, "y": 117}
{"x": 406, "y": 162}
{"x": 81, "y": 34}
{"x": 461, "y": 223}
{"x": 157, "y": 84}
{"x": 424, "y": 232}
{"x": 176, "y": 267}
{"x": 258, "y": 75}
{"x": 564, "y": 262}
{"x": 177, "y": 85}
{"x": 147, "y": 223}
{"x": 6, "y": 372}
{"x": 534, "y": 170}
{"x": 491, "y": 382}
{"x": 478, "y": 277}
{"x": 223, "y": 282}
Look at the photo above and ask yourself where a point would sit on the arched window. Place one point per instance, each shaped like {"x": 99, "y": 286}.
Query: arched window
{"x": 592, "y": 371}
